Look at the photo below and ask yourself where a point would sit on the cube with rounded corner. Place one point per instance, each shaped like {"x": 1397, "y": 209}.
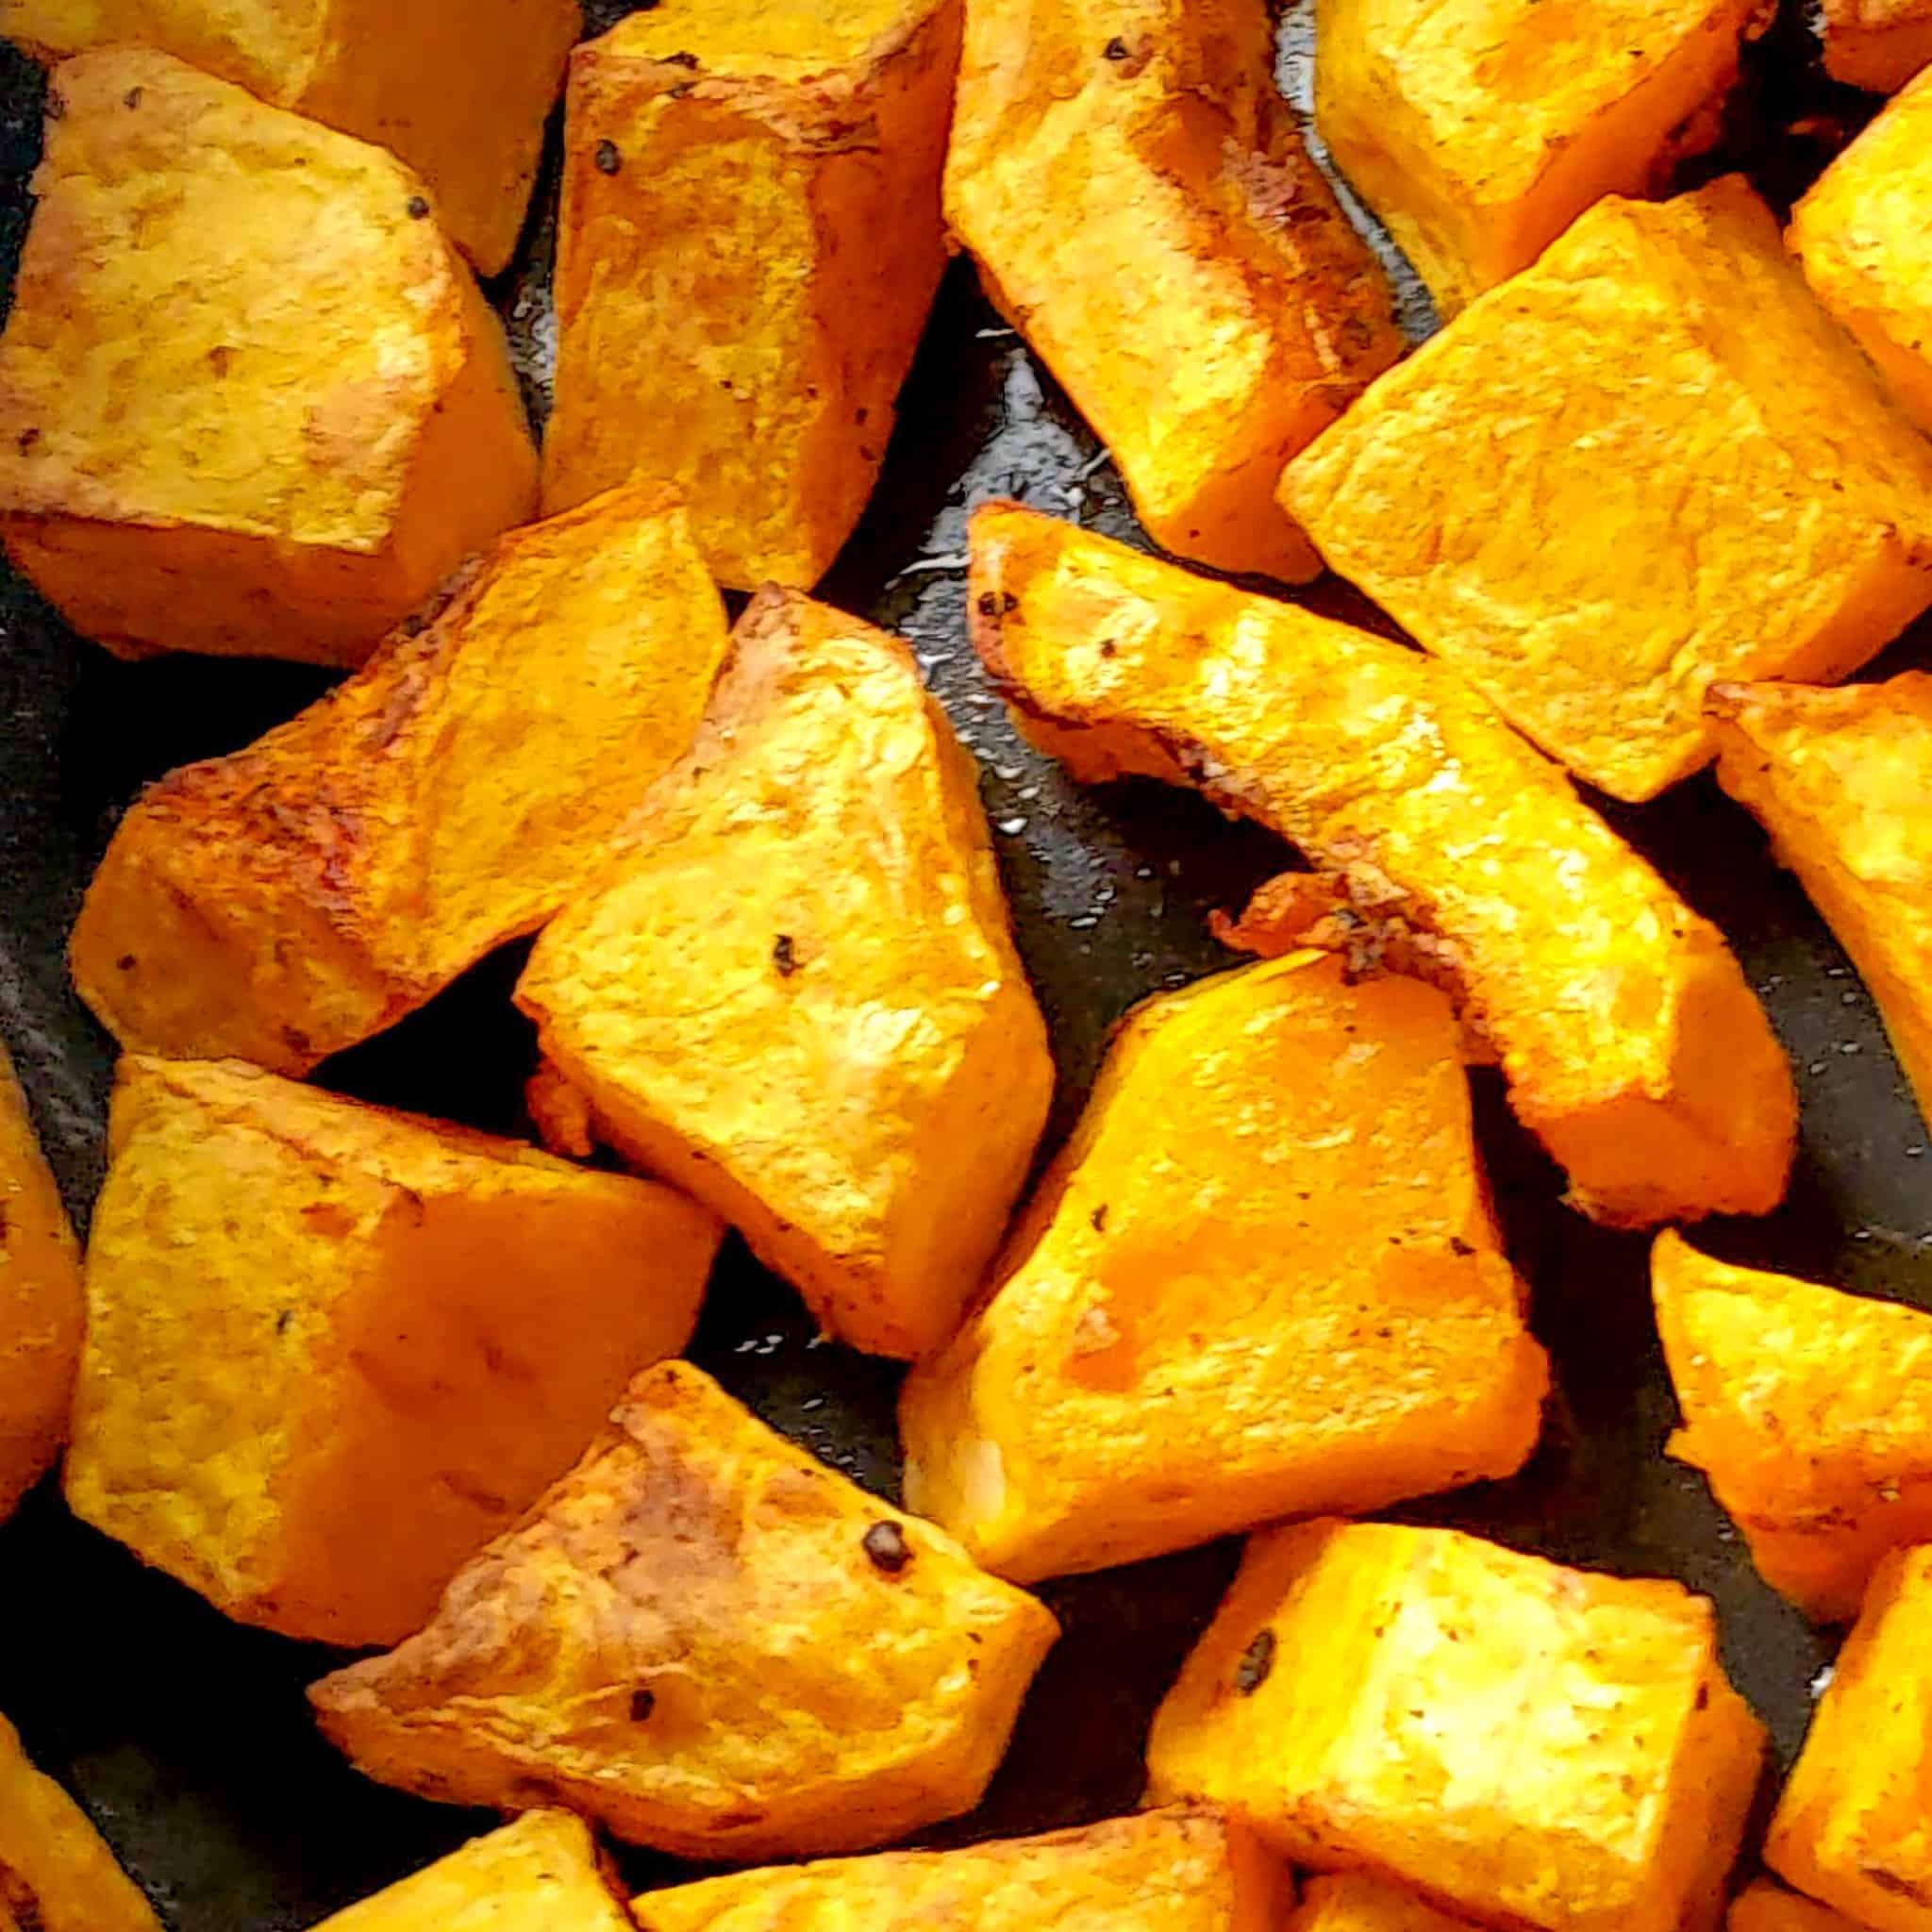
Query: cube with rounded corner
{"x": 1630, "y": 1040}
{"x": 1261, "y": 1281}
{"x": 459, "y": 92}
{"x": 41, "y": 1306}
{"x": 706, "y": 1641}
{"x": 297, "y": 896}
{"x": 1478, "y": 130}
{"x": 1141, "y": 206}
{"x": 1851, "y": 1828}
{"x": 749, "y": 243}
{"x": 332, "y": 1350}
{"x": 56, "y": 1874}
{"x": 1767, "y": 1907}
{"x": 1182, "y": 1870}
{"x": 1876, "y": 45}
{"x": 1810, "y": 1410}
{"x": 796, "y": 995}
{"x": 542, "y": 1872}
{"x": 1838, "y": 779}
{"x": 1643, "y": 466}
{"x": 1859, "y": 236}
{"x": 251, "y": 401}
{"x": 1518, "y": 1743}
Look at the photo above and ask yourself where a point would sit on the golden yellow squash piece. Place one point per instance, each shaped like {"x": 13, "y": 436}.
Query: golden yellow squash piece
{"x": 1261, "y": 1281}
{"x": 293, "y": 898}
{"x": 1140, "y": 205}
{"x": 459, "y": 90}
{"x": 1630, "y": 1040}
{"x": 1359, "y": 1902}
{"x": 1478, "y": 130}
{"x": 1768, "y": 1908}
{"x": 1647, "y": 463}
{"x": 798, "y": 999}
{"x": 1811, "y": 1413}
{"x": 331, "y": 1350}
{"x": 1854, "y": 1827}
{"x": 1182, "y": 1870}
{"x": 706, "y": 1641}
{"x": 55, "y": 1876}
{"x": 542, "y": 1872}
{"x": 749, "y": 243}
{"x": 41, "y": 1308}
{"x": 1876, "y": 45}
{"x": 1528, "y": 1744}
{"x": 1840, "y": 779}
{"x": 1861, "y": 236}
{"x": 251, "y": 401}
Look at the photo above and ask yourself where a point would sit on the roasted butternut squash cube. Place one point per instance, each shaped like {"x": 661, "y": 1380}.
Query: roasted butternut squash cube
{"x": 1839, "y": 778}
{"x": 1261, "y": 1281}
{"x": 1861, "y": 237}
{"x": 1140, "y": 205}
{"x": 1645, "y": 465}
{"x": 1768, "y": 1908}
{"x": 1876, "y": 45}
{"x": 797, "y": 997}
{"x": 542, "y": 1872}
{"x": 1525, "y": 1743}
{"x": 41, "y": 1306}
{"x": 749, "y": 245}
{"x": 1359, "y": 1902}
{"x": 1853, "y": 1827}
{"x": 459, "y": 92}
{"x": 1181, "y": 1870}
{"x": 331, "y": 1350}
{"x": 1629, "y": 1038}
{"x": 706, "y": 1641}
{"x": 1808, "y": 1410}
{"x": 55, "y": 1876}
{"x": 251, "y": 401}
{"x": 1479, "y": 130}
{"x": 296, "y": 897}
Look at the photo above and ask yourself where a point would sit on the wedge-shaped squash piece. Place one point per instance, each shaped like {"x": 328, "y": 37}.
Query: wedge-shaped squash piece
{"x": 251, "y": 401}
{"x": 799, "y": 999}
{"x": 1528, "y": 1744}
{"x": 1478, "y": 130}
{"x": 331, "y": 1351}
{"x": 1181, "y": 1870}
{"x": 55, "y": 1876}
{"x": 1645, "y": 464}
{"x": 1141, "y": 204}
{"x": 1630, "y": 1040}
{"x": 1360, "y": 1901}
{"x": 1261, "y": 1281}
{"x": 293, "y": 898}
{"x": 1876, "y": 45}
{"x": 1768, "y": 1908}
{"x": 1854, "y": 1827}
{"x": 41, "y": 1308}
{"x": 749, "y": 244}
{"x": 542, "y": 1872}
{"x": 1861, "y": 236}
{"x": 459, "y": 92}
{"x": 706, "y": 1641}
{"x": 1840, "y": 780}
{"x": 1811, "y": 1413}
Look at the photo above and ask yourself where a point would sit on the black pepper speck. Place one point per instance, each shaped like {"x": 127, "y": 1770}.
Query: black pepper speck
{"x": 1257, "y": 1660}
{"x": 885, "y": 1545}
